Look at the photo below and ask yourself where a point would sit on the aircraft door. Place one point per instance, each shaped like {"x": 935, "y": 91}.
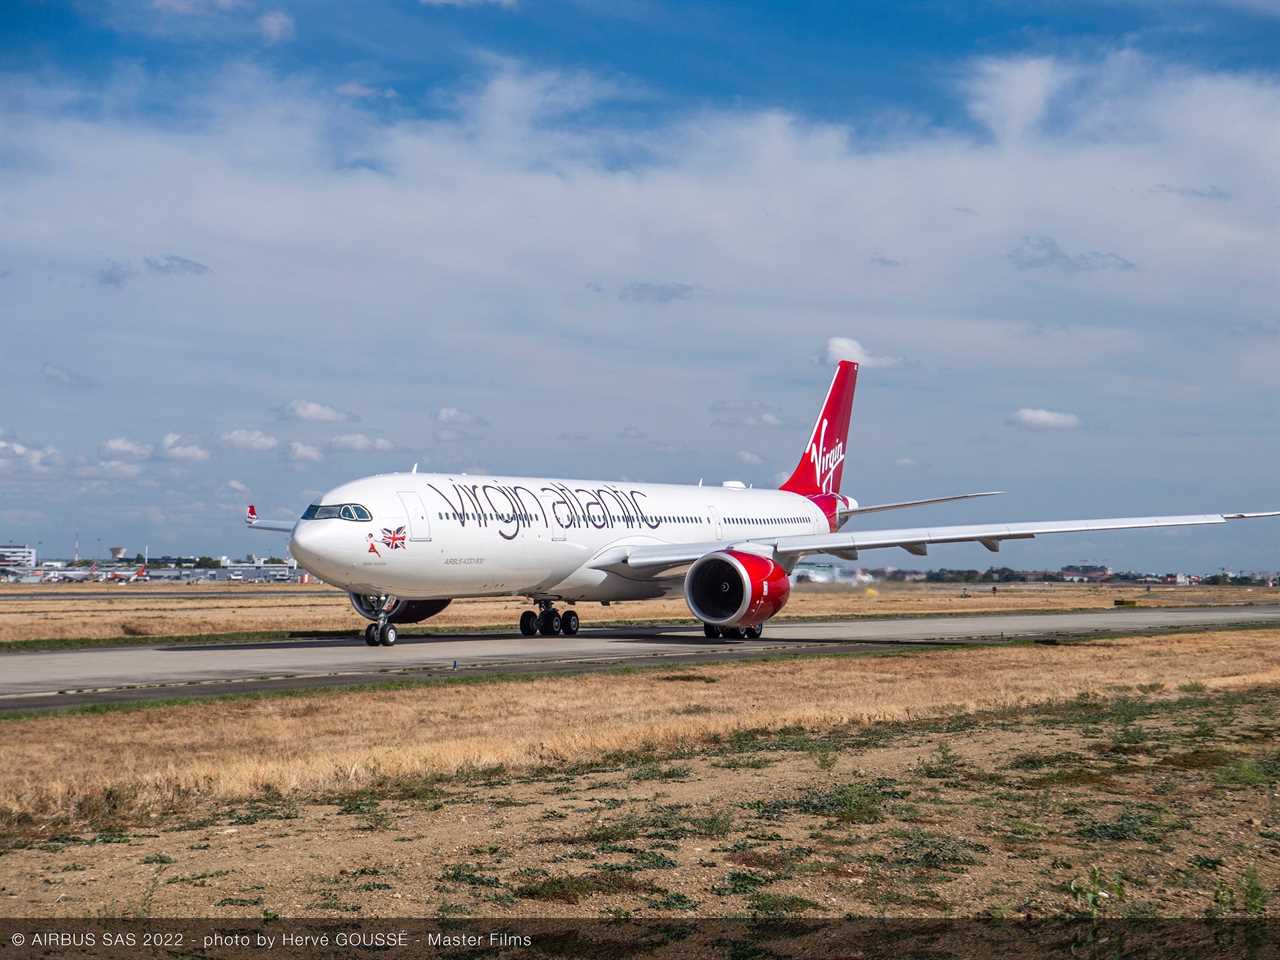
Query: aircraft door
{"x": 419, "y": 524}
{"x": 716, "y": 527}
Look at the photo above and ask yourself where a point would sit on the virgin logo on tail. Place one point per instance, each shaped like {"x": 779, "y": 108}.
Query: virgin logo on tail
{"x": 825, "y": 461}
{"x": 821, "y": 468}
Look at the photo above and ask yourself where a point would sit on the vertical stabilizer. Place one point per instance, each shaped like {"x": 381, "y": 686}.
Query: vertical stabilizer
{"x": 821, "y": 468}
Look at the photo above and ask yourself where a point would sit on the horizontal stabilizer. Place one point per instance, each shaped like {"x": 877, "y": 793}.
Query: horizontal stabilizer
{"x": 903, "y": 504}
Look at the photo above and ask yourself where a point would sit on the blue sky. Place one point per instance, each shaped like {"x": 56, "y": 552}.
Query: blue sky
{"x": 254, "y": 249}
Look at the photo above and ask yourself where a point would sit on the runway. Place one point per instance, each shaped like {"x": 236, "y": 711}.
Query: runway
{"x": 33, "y": 681}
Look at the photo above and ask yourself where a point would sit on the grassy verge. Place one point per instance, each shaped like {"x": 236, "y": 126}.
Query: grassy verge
{"x": 452, "y": 678}
{"x": 1147, "y": 801}
{"x": 73, "y": 768}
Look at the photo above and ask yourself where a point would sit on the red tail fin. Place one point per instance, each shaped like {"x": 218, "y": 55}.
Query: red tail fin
{"x": 821, "y": 468}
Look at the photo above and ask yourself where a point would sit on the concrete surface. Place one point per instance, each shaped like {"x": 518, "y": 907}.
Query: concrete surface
{"x": 103, "y": 674}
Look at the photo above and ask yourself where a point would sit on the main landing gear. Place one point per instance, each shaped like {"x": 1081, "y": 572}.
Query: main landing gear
{"x": 383, "y": 633}
{"x": 713, "y": 632}
{"x": 548, "y": 621}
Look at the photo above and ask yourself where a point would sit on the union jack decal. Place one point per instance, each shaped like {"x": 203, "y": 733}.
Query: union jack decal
{"x": 393, "y": 539}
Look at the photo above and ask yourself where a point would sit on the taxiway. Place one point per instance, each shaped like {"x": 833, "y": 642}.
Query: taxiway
{"x": 48, "y": 680}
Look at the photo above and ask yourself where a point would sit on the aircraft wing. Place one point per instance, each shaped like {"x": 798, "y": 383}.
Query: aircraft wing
{"x": 653, "y": 560}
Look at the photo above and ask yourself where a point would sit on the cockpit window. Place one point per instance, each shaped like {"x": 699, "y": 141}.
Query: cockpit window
{"x": 331, "y": 511}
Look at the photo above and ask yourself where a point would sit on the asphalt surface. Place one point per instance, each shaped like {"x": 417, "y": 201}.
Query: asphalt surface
{"x": 35, "y": 681}
{"x": 207, "y": 593}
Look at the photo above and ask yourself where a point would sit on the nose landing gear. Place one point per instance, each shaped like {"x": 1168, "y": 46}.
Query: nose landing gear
{"x": 548, "y": 621}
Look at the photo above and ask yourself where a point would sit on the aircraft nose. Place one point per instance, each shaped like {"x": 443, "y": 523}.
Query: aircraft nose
{"x": 311, "y": 545}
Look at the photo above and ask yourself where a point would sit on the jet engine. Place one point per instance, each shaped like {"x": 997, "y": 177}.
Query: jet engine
{"x": 404, "y": 611}
{"x": 732, "y": 588}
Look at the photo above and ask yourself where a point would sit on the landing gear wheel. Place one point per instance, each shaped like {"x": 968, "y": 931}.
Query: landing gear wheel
{"x": 711, "y": 631}
{"x": 528, "y": 623}
{"x": 753, "y": 633}
{"x": 731, "y": 633}
{"x": 371, "y": 634}
{"x": 388, "y": 635}
{"x": 549, "y": 623}
{"x": 569, "y": 623}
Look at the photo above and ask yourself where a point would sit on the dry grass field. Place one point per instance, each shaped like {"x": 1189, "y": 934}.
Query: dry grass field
{"x": 1129, "y": 777}
{"x": 76, "y": 768}
{"x": 152, "y": 610}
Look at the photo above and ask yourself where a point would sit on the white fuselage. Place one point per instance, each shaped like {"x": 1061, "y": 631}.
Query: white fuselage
{"x": 452, "y": 535}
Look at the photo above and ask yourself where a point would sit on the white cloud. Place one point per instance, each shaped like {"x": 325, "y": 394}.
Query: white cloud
{"x": 118, "y": 447}
{"x": 1033, "y": 418}
{"x": 255, "y": 440}
{"x": 904, "y": 462}
{"x": 237, "y": 486}
{"x": 311, "y": 410}
{"x": 276, "y": 26}
{"x": 302, "y": 452}
{"x": 846, "y": 348}
{"x": 458, "y": 417}
{"x": 749, "y": 456}
{"x": 360, "y": 443}
{"x": 1012, "y": 95}
{"x": 173, "y": 446}
{"x": 109, "y": 470}
{"x": 15, "y": 453}
{"x": 362, "y": 91}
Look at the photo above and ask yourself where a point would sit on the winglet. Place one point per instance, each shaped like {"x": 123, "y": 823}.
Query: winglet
{"x": 251, "y": 515}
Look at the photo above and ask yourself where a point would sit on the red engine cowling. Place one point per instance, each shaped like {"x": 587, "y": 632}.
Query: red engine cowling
{"x": 731, "y": 588}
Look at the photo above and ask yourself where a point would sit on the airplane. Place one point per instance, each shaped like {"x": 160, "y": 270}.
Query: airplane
{"x": 404, "y": 545}
{"x": 125, "y": 576}
{"x": 74, "y": 575}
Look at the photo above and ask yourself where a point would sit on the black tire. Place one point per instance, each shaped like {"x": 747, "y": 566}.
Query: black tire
{"x": 711, "y": 631}
{"x": 731, "y": 633}
{"x": 388, "y": 635}
{"x": 569, "y": 623}
{"x": 528, "y": 623}
{"x": 549, "y": 623}
{"x": 753, "y": 633}
{"x": 371, "y": 634}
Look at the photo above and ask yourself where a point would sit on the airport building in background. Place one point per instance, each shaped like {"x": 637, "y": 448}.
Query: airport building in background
{"x": 17, "y": 555}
